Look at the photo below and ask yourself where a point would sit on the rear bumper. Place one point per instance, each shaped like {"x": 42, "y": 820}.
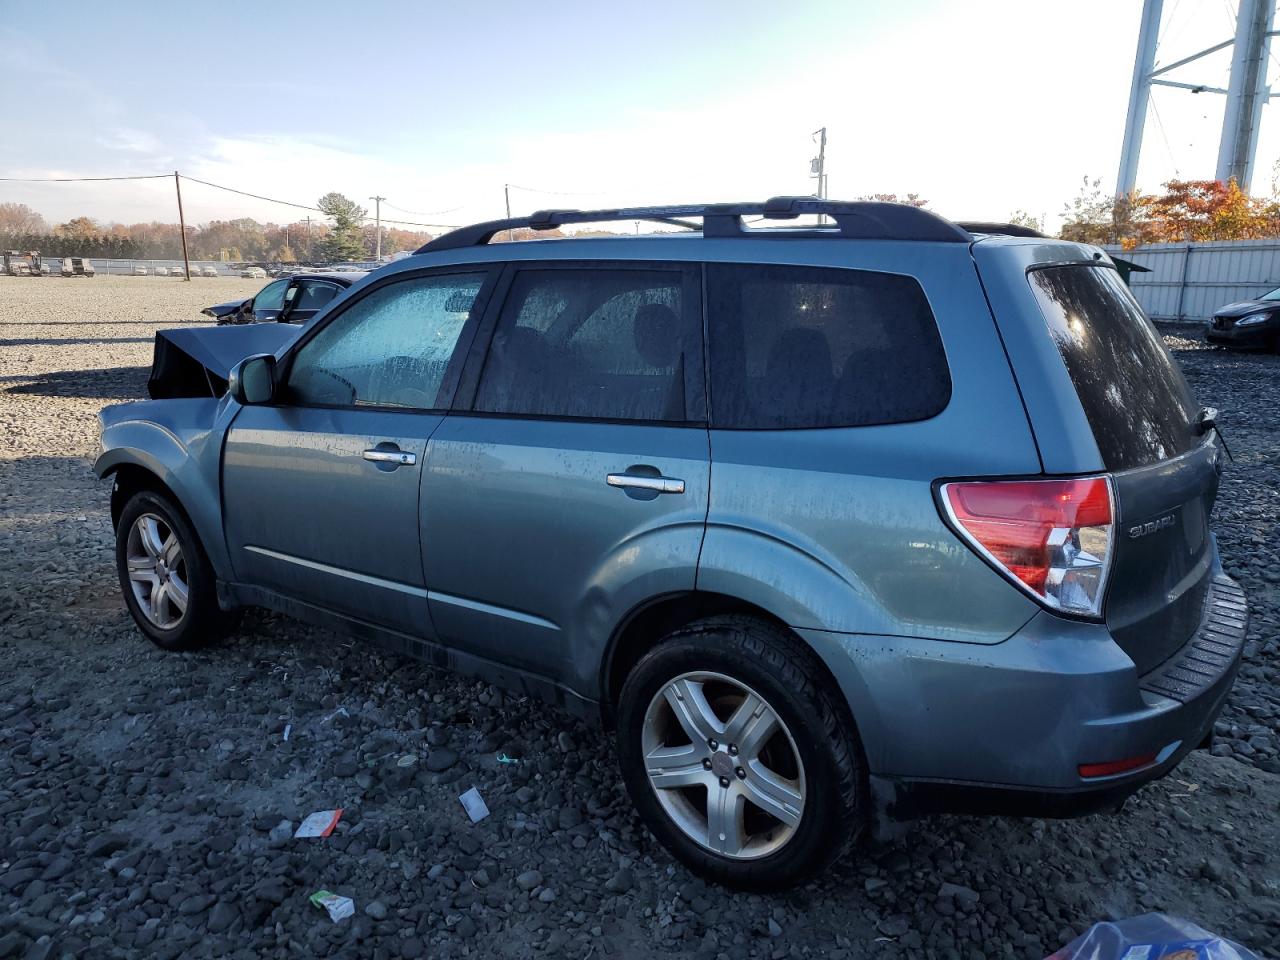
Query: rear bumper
{"x": 960, "y": 728}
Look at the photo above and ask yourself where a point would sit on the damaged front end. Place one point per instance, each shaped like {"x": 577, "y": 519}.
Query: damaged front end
{"x": 195, "y": 362}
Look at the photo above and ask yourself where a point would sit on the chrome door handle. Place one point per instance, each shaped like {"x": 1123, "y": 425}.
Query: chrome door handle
{"x": 638, "y": 482}
{"x": 401, "y": 458}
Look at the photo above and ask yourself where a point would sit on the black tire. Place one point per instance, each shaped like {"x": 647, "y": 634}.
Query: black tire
{"x": 785, "y": 673}
{"x": 202, "y": 621}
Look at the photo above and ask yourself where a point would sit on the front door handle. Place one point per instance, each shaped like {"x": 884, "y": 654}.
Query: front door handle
{"x": 400, "y": 458}
{"x": 636, "y": 481}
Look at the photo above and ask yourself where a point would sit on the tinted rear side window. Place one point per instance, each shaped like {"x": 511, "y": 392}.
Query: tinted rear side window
{"x": 817, "y": 347}
{"x": 1135, "y": 397}
{"x": 591, "y": 343}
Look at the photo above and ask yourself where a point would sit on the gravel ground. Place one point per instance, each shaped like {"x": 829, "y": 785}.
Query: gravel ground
{"x": 150, "y": 798}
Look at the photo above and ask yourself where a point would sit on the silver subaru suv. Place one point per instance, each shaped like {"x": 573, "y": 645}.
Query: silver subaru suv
{"x": 834, "y": 523}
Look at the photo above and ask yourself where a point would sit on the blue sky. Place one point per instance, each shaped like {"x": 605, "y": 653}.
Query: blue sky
{"x": 982, "y": 107}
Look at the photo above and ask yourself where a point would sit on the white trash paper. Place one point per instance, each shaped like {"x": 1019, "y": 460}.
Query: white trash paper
{"x": 319, "y": 824}
{"x": 339, "y": 908}
{"x": 474, "y": 805}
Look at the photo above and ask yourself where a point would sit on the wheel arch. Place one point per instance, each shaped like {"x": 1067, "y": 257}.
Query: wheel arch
{"x": 646, "y": 624}
{"x": 131, "y": 470}
{"x": 130, "y": 478}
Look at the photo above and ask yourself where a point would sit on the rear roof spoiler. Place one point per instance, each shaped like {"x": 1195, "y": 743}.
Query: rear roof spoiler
{"x": 1003, "y": 229}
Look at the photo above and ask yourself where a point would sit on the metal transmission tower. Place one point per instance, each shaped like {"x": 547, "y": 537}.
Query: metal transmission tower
{"x": 1246, "y": 93}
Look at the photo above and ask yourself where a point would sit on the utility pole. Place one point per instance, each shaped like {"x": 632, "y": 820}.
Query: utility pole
{"x": 308, "y": 222}
{"x": 377, "y": 219}
{"x": 1247, "y": 91}
{"x": 182, "y": 225}
{"x": 506, "y": 193}
{"x": 818, "y": 167}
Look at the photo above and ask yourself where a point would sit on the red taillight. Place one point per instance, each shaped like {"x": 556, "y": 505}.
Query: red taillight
{"x": 1112, "y": 767}
{"x": 1052, "y": 537}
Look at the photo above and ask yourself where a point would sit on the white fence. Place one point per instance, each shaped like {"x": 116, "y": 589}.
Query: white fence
{"x": 126, "y": 267}
{"x": 1189, "y": 281}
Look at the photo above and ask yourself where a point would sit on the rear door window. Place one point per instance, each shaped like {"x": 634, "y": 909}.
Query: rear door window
{"x": 819, "y": 347}
{"x": 314, "y": 294}
{"x": 596, "y": 343}
{"x": 1136, "y": 400}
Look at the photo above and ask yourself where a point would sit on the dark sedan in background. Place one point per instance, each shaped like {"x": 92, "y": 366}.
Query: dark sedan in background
{"x": 294, "y": 299}
{"x": 1253, "y": 324}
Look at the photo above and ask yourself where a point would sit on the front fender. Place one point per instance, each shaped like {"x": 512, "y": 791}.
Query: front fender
{"x": 180, "y": 442}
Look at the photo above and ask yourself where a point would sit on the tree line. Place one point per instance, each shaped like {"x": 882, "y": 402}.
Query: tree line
{"x": 344, "y": 235}
{"x": 1184, "y": 211}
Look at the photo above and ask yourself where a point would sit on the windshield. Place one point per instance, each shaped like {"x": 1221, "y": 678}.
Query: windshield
{"x": 1273, "y": 295}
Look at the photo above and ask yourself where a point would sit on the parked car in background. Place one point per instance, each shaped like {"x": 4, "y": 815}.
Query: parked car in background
{"x": 830, "y": 524}
{"x": 139, "y": 270}
{"x": 162, "y": 271}
{"x": 292, "y": 299}
{"x": 253, "y": 273}
{"x": 208, "y": 271}
{"x": 77, "y": 267}
{"x": 1251, "y": 324}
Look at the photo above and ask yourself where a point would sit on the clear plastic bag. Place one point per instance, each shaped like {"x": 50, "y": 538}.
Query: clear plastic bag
{"x": 1152, "y": 936}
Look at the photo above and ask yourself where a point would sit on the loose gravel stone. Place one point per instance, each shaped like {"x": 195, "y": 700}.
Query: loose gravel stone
{"x": 441, "y": 759}
{"x": 150, "y": 799}
{"x": 528, "y": 880}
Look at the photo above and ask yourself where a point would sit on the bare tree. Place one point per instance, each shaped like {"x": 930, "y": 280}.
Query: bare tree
{"x": 17, "y": 219}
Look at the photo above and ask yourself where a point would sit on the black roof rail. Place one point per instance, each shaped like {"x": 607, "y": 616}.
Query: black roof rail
{"x": 1003, "y": 229}
{"x": 857, "y": 219}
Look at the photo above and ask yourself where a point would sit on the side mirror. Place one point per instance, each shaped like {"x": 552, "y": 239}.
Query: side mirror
{"x": 252, "y": 380}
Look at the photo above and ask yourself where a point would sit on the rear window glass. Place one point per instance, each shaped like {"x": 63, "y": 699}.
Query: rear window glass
{"x": 1135, "y": 397}
{"x": 816, "y": 347}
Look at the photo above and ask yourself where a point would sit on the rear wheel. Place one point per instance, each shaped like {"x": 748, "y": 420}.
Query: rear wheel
{"x": 165, "y": 576}
{"x": 739, "y": 754}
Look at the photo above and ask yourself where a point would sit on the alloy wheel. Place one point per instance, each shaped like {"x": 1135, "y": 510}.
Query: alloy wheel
{"x": 157, "y": 571}
{"x": 723, "y": 765}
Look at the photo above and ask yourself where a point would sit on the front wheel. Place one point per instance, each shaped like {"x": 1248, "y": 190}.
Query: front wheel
{"x": 738, "y": 753}
{"x": 167, "y": 582}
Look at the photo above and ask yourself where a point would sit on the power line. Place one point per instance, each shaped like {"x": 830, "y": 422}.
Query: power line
{"x": 304, "y": 206}
{"x": 1168, "y": 149}
{"x": 255, "y": 196}
{"x": 218, "y": 186}
{"x": 557, "y": 193}
{"x": 150, "y": 176}
{"x": 420, "y": 213}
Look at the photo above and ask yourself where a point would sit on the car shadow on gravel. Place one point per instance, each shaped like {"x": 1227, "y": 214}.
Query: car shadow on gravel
{"x": 113, "y": 383}
{"x": 70, "y": 341}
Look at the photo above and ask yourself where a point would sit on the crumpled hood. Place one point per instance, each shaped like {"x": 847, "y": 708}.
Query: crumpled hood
{"x": 1245, "y": 307}
{"x": 195, "y": 361}
{"x": 223, "y": 309}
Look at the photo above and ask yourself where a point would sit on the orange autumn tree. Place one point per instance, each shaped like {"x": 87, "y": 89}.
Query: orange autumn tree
{"x": 1200, "y": 210}
{"x": 1187, "y": 211}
